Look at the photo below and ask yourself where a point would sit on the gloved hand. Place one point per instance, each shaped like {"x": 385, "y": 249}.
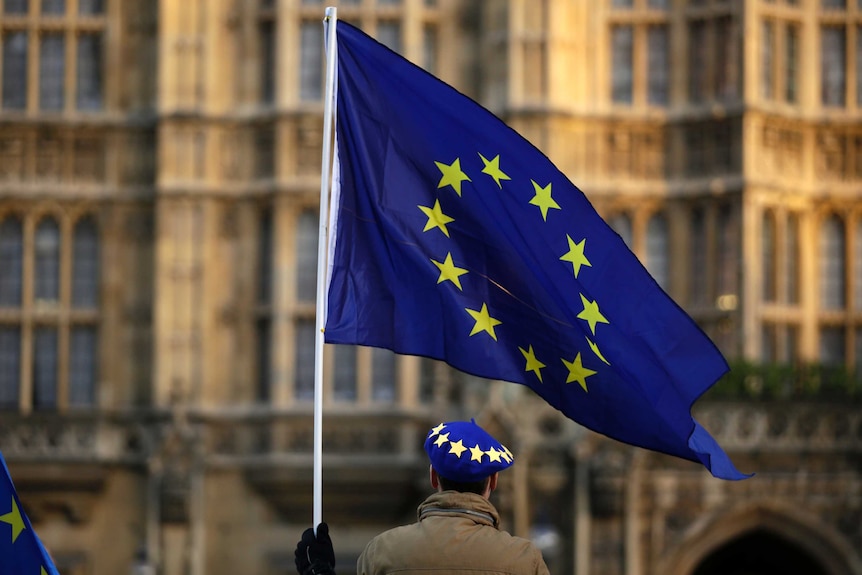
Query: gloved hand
{"x": 315, "y": 555}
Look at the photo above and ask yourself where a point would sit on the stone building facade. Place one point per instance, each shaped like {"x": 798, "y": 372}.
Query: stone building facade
{"x": 159, "y": 185}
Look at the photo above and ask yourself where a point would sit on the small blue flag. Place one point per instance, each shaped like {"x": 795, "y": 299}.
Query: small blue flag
{"x": 453, "y": 237}
{"x": 21, "y": 551}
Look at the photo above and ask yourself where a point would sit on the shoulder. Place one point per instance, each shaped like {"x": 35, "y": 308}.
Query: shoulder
{"x": 385, "y": 549}
{"x": 391, "y": 538}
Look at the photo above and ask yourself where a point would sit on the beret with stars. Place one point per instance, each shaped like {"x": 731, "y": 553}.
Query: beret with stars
{"x": 464, "y": 452}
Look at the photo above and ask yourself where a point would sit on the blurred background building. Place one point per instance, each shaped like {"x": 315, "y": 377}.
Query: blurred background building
{"x": 159, "y": 184}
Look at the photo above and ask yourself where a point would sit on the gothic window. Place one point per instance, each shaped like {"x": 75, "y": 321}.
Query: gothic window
{"x": 768, "y": 343}
{"x": 83, "y": 368}
{"x": 833, "y": 59}
{"x": 344, "y": 367}
{"x": 713, "y": 55}
{"x": 304, "y": 359}
{"x": 698, "y": 85}
{"x": 45, "y": 368}
{"x": 728, "y": 255}
{"x": 832, "y": 341}
{"x": 306, "y": 293}
{"x": 52, "y": 64}
{"x": 15, "y": 6}
{"x": 727, "y": 66}
{"x": 767, "y": 57}
{"x": 307, "y": 239}
{"x": 264, "y": 151}
{"x": 40, "y": 40}
{"x": 429, "y": 48}
{"x": 791, "y": 64}
{"x": 85, "y": 264}
{"x": 791, "y": 260}
{"x": 657, "y": 246}
{"x": 263, "y": 321}
{"x": 768, "y": 257}
{"x": 383, "y": 372}
{"x": 263, "y": 334}
{"x": 311, "y": 61}
{"x": 780, "y": 285}
{"x": 49, "y": 336}
{"x": 266, "y": 33}
{"x": 10, "y": 366}
{"x": 832, "y": 264}
{"x": 659, "y": 65}
{"x": 428, "y": 380}
{"x": 47, "y": 269}
{"x": 389, "y": 34}
{"x": 791, "y": 344}
{"x": 56, "y": 7}
{"x": 91, "y": 7}
{"x": 622, "y": 56}
{"x": 15, "y": 45}
{"x": 89, "y": 72}
{"x": 11, "y": 262}
{"x": 622, "y": 224}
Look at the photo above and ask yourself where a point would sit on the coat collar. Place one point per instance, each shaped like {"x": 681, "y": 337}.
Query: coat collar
{"x": 467, "y": 505}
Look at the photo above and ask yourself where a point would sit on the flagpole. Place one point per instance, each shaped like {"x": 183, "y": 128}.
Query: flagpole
{"x": 329, "y": 23}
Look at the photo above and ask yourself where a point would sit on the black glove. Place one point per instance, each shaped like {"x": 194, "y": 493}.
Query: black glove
{"x": 314, "y": 555}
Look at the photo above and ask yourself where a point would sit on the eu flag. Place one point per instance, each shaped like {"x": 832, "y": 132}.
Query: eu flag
{"x": 21, "y": 552}
{"x": 453, "y": 237}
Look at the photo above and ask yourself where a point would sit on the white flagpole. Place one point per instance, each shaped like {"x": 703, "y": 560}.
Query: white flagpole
{"x": 329, "y": 22}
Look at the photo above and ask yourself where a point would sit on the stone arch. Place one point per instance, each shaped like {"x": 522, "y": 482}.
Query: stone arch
{"x": 804, "y": 532}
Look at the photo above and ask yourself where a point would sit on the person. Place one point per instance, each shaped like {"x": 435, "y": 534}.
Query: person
{"x": 458, "y": 528}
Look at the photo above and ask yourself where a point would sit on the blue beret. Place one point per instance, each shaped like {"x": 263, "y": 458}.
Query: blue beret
{"x": 464, "y": 452}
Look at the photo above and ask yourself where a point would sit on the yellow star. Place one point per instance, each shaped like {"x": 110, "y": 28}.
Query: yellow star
{"x": 508, "y": 456}
{"x": 484, "y": 322}
{"x": 492, "y": 168}
{"x": 577, "y": 372}
{"x": 533, "y": 364}
{"x": 543, "y": 199}
{"x": 436, "y": 218}
{"x": 14, "y": 519}
{"x": 448, "y": 271}
{"x": 596, "y": 351}
{"x": 441, "y": 439}
{"x": 476, "y": 453}
{"x": 452, "y": 175}
{"x": 591, "y": 314}
{"x": 493, "y": 454}
{"x": 437, "y": 430}
{"x": 576, "y": 255}
{"x": 457, "y": 447}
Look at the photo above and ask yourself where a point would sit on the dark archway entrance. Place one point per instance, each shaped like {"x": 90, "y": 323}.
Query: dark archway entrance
{"x": 759, "y": 552}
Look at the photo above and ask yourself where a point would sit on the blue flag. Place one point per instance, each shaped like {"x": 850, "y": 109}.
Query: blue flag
{"x": 453, "y": 237}
{"x": 21, "y": 551}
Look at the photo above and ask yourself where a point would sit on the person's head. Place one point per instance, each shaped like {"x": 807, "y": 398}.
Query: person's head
{"x": 464, "y": 457}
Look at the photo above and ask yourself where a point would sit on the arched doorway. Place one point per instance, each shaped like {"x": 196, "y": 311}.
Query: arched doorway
{"x": 759, "y": 552}
{"x": 761, "y": 539}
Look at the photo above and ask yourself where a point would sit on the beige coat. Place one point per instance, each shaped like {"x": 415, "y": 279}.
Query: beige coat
{"x": 457, "y": 534}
